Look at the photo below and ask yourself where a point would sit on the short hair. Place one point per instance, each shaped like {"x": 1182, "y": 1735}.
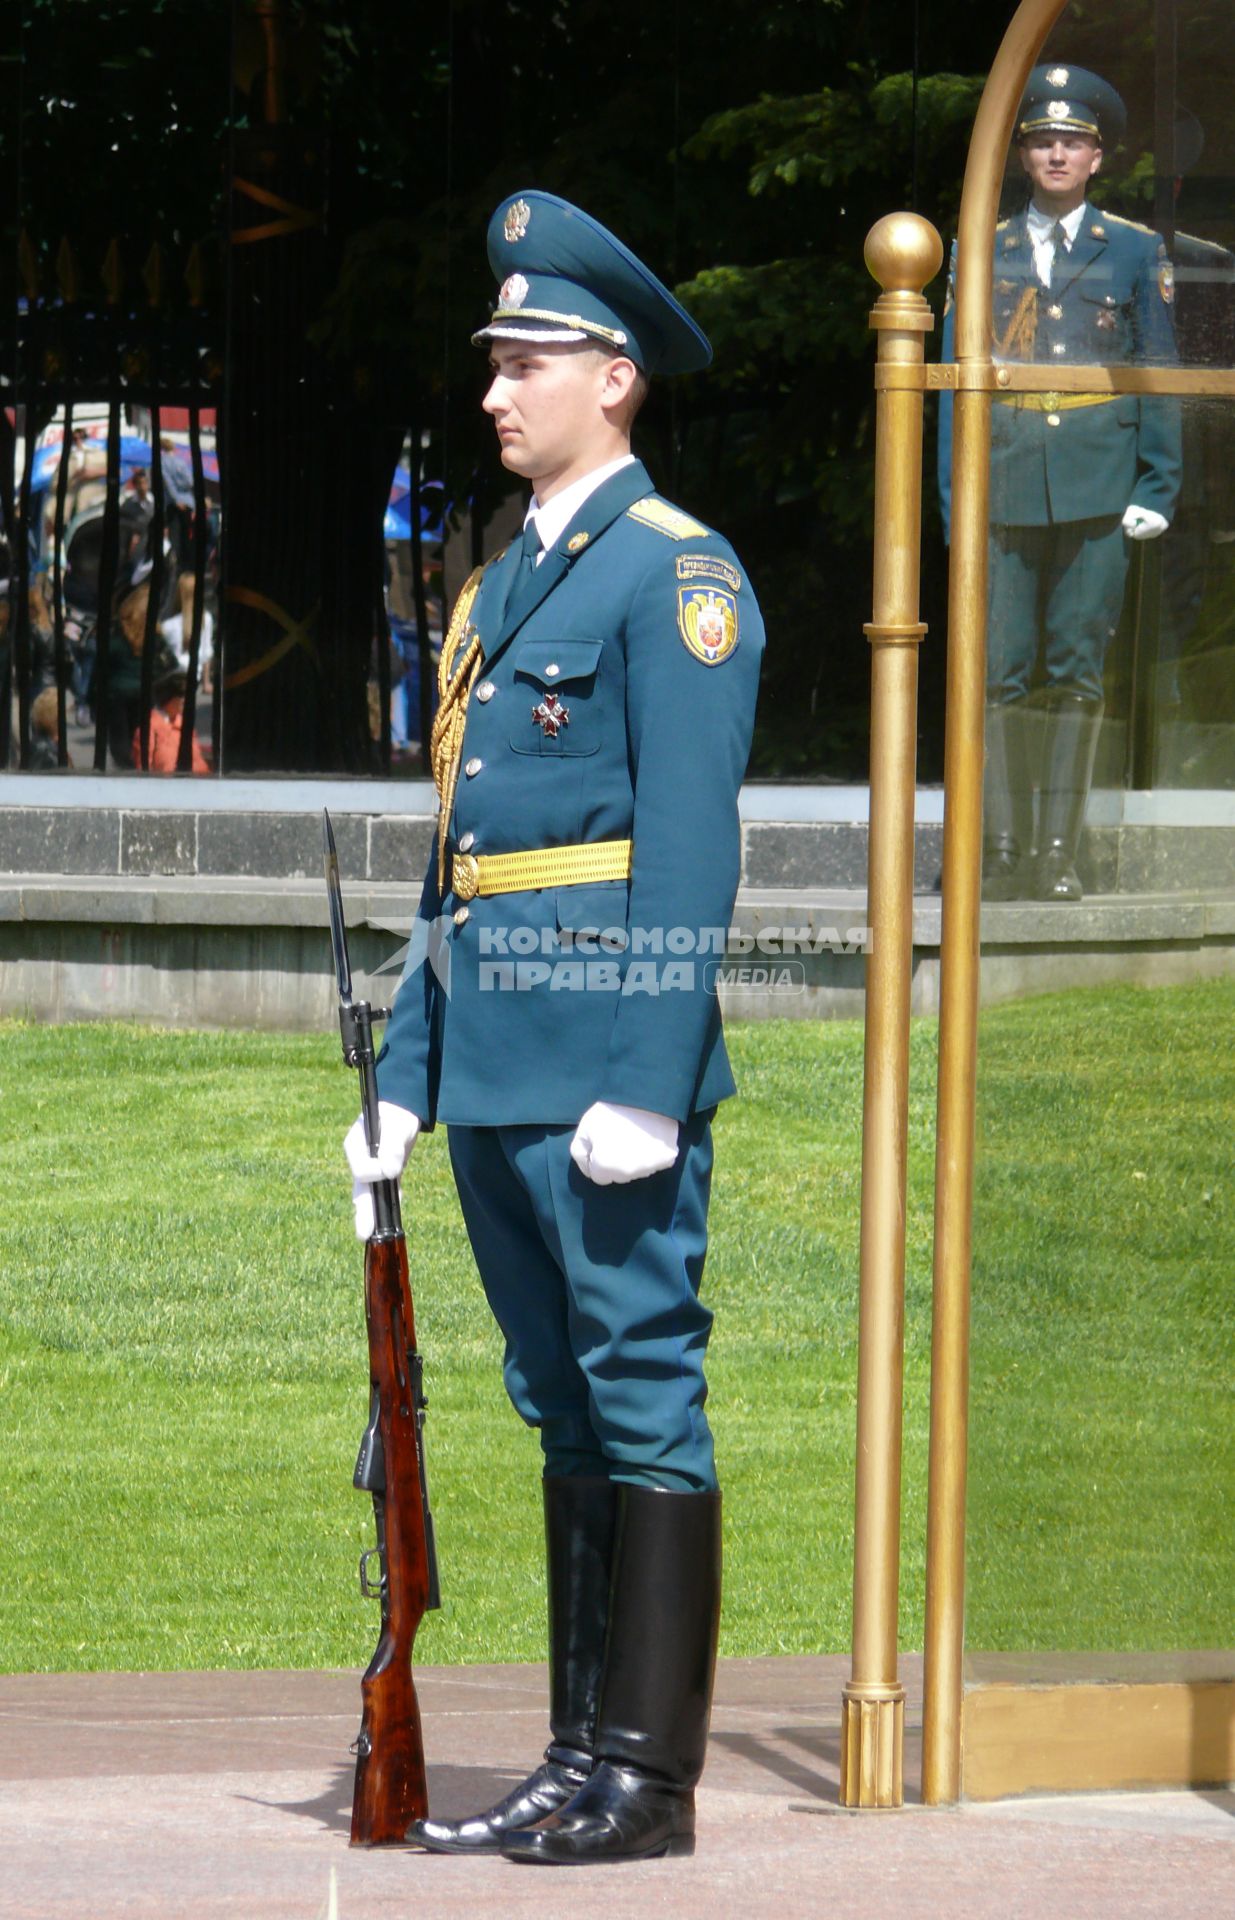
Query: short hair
{"x": 639, "y": 386}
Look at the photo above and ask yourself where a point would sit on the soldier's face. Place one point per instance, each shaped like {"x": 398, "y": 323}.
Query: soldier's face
{"x": 546, "y": 404}
{"x": 1060, "y": 166}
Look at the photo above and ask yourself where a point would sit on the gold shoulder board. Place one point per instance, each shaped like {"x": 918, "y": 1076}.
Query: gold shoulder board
{"x": 670, "y": 521}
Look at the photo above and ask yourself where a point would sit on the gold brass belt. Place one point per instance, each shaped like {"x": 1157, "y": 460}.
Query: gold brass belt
{"x": 1053, "y": 402}
{"x": 488, "y": 873}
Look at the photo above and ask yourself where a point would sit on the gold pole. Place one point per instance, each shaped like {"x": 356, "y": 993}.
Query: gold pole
{"x": 903, "y": 252}
{"x": 962, "y": 885}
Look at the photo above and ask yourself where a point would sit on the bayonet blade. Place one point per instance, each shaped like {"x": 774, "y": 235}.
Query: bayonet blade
{"x": 338, "y": 931}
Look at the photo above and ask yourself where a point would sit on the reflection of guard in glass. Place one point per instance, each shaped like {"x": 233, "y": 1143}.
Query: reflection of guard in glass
{"x": 1074, "y": 477}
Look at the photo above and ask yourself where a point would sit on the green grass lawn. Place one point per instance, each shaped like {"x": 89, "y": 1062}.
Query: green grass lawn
{"x": 182, "y": 1364}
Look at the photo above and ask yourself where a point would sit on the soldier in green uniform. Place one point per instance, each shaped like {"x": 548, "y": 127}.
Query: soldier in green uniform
{"x": 598, "y": 688}
{"x": 1074, "y": 477}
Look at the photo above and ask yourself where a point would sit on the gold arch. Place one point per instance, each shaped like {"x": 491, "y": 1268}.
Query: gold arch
{"x": 943, "y": 1646}
{"x": 903, "y": 253}
{"x": 974, "y": 378}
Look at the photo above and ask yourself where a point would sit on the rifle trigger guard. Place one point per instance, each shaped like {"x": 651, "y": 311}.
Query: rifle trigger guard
{"x": 367, "y": 1588}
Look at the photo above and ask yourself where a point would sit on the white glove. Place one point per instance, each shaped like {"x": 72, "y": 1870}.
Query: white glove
{"x": 397, "y": 1130}
{"x": 1142, "y": 523}
{"x": 617, "y": 1144}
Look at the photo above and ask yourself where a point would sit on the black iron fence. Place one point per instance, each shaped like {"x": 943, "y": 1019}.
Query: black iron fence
{"x": 148, "y": 416}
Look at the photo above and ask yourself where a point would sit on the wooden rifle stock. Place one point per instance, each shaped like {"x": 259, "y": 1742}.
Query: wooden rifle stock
{"x": 390, "y": 1790}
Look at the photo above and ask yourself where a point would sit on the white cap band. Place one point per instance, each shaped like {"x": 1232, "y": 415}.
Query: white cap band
{"x": 541, "y": 335}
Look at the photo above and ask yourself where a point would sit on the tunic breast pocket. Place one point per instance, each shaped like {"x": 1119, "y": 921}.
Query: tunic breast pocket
{"x": 558, "y": 681}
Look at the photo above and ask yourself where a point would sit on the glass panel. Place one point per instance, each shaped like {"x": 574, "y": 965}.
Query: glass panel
{"x": 1187, "y": 714}
{"x": 329, "y": 167}
{"x": 1103, "y": 1423}
{"x": 1110, "y": 571}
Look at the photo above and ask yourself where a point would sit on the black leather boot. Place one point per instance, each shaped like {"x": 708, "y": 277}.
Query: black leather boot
{"x": 1070, "y": 744}
{"x": 1007, "y": 802}
{"x": 580, "y": 1517}
{"x": 652, "y": 1729}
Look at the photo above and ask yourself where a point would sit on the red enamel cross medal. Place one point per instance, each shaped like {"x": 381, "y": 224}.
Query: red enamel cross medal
{"x": 551, "y": 715}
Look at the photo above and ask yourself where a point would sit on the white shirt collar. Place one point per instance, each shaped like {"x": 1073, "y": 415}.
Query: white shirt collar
{"x": 1041, "y": 223}
{"x": 556, "y": 515}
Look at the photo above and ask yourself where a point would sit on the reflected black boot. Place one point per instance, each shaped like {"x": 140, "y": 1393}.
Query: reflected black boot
{"x": 652, "y": 1729}
{"x": 1007, "y": 802}
{"x": 1071, "y": 742}
{"x": 580, "y": 1517}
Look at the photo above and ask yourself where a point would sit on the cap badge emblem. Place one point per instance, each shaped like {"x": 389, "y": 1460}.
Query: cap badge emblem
{"x": 1057, "y": 77}
{"x": 551, "y": 716}
{"x": 1057, "y": 110}
{"x": 515, "y": 225}
{"x": 513, "y": 291}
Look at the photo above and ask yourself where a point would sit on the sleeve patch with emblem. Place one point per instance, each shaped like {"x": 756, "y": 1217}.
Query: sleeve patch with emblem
{"x": 670, "y": 521}
{"x": 708, "y": 622}
{"x": 709, "y": 566}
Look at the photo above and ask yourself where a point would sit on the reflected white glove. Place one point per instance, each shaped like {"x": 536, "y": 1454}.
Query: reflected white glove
{"x": 397, "y": 1130}
{"x": 617, "y": 1144}
{"x": 1142, "y": 523}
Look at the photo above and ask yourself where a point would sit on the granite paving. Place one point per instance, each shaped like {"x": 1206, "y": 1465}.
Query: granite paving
{"x": 224, "y": 1796}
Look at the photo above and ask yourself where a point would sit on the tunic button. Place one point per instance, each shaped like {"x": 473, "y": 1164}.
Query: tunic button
{"x": 1055, "y": 313}
{"x": 485, "y": 691}
{"x": 462, "y": 915}
{"x": 466, "y": 842}
{"x": 1052, "y": 419}
{"x": 1060, "y": 346}
{"x": 473, "y": 766}
{"x": 552, "y": 670}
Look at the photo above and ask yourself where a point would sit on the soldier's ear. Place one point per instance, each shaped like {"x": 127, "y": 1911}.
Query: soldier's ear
{"x": 1096, "y": 162}
{"x": 621, "y": 377}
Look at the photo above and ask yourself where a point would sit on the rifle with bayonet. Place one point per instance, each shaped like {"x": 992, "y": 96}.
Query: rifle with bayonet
{"x": 390, "y": 1790}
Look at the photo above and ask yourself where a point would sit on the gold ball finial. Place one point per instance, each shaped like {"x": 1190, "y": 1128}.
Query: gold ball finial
{"x": 903, "y": 252}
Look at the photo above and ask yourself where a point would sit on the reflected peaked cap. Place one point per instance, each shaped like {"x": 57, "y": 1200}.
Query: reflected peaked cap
{"x": 562, "y": 276}
{"x": 1060, "y": 99}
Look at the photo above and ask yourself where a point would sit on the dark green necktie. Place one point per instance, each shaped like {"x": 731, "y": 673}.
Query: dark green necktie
{"x": 532, "y": 550}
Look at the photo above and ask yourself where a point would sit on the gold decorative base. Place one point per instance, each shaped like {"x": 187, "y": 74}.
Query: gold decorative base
{"x": 872, "y": 1746}
{"x": 1094, "y": 1723}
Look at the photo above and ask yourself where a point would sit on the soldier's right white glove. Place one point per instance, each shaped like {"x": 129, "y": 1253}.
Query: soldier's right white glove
{"x": 397, "y": 1130}
{"x": 617, "y": 1144}
{"x": 1143, "y": 523}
